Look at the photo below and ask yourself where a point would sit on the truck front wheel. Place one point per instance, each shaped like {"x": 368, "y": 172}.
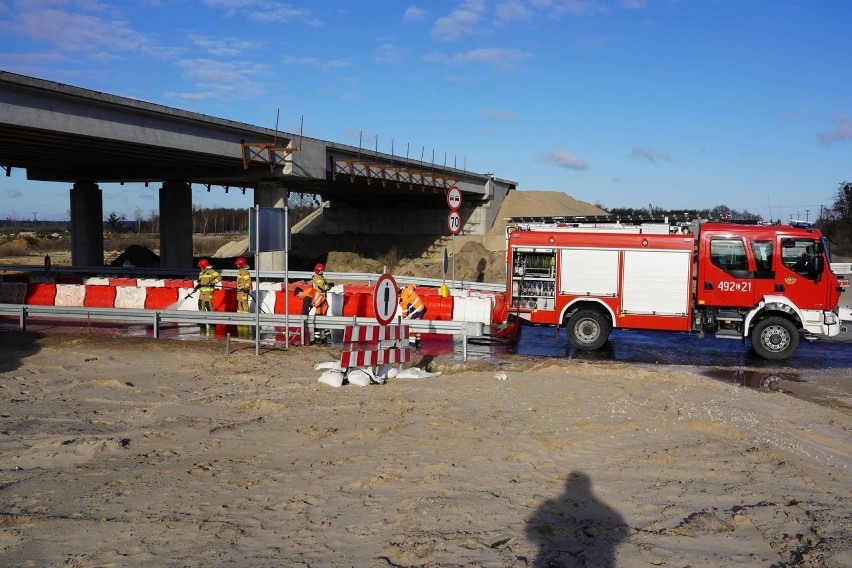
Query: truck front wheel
{"x": 588, "y": 330}
{"x": 774, "y": 338}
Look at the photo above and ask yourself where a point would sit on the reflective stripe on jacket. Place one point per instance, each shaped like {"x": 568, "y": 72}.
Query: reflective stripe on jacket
{"x": 243, "y": 280}
{"x": 207, "y": 279}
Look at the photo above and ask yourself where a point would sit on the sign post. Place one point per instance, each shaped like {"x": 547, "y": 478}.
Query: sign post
{"x": 454, "y": 222}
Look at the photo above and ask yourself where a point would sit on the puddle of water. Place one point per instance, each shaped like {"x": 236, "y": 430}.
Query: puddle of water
{"x": 752, "y": 378}
{"x": 673, "y": 348}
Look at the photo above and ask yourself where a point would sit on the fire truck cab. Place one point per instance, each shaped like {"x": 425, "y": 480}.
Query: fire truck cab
{"x": 765, "y": 282}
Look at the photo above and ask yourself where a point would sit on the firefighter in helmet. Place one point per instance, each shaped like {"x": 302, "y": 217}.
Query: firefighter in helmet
{"x": 243, "y": 292}
{"x": 243, "y": 286}
{"x": 207, "y": 280}
{"x": 318, "y": 281}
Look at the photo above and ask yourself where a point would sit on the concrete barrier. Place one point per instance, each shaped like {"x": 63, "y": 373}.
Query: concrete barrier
{"x": 99, "y": 296}
{"x": 476, "y": 309}
{"x": 41, "y": 294}
{"x": 70, "y": 295}
{"x": 129, "y": 297}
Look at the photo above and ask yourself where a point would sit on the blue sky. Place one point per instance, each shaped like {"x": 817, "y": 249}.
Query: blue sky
{"x": 677, "y": 103}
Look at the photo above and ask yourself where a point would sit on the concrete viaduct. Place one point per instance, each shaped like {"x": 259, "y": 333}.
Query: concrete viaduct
{"x": 62, "y": 133}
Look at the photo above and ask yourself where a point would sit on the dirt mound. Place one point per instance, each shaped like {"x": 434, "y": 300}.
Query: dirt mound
{"x": 232, "y": 249}
{"x": 537, "y": 203}
{"x": 350, "y": 262}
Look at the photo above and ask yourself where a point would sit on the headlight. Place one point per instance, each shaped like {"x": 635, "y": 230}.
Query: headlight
{"x": 831, "y": 318}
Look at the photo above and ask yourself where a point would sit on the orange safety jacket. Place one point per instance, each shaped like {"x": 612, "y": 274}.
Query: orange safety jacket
{"x": 408, "y": 298}
{"x": 318, "y": 300}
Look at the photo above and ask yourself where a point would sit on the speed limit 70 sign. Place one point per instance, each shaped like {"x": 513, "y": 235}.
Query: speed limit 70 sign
{"x": 454, "y": 223}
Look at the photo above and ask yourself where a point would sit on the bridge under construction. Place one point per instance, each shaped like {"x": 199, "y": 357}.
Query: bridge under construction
{"x": 65, "y": 134}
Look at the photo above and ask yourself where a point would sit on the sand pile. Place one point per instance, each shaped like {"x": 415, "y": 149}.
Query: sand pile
{"x": 535, "y": 203}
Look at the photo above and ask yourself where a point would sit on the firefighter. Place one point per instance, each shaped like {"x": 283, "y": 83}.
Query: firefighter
{"x": 207, "y": 280}
{"x": 312, "y": 299}
{"x": 411, "y": 304}
{"x": 318, "y": 280}
{"x": 243, "y": 286}
{"x": 243, "y": 291}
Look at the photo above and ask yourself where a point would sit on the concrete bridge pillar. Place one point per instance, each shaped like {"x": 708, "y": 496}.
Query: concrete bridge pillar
{"x": 87, "y": 225}
{"x": 176, "y": 225}
{"x": 272, "y": 194}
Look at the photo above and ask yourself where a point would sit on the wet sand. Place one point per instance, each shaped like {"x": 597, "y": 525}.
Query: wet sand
{"x": 134, "y": 451}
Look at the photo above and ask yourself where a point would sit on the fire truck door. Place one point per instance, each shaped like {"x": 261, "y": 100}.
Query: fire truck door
{"x": 725, "y": 277}
{"x": 799, "y": 275}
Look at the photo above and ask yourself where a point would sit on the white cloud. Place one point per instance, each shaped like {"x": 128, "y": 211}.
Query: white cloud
{"x": 220, "y": 79}
{"x": 414, "y": 14}
{"x": 843, "y": 130}
{"x": 563, "y": 159}
{"x": 316, "y": 63}
{"x": 463, "y": 21}
{"x": 74, "y": 31}
{"x": 225, "y": 47}
{"x": 555, "y": 8}
{"x": 389, "y": 53}
{"x": 511, "y": 11}
{"x": 498, "y": 57}
{"x": 652, "y": 156}
{"x": 265, "y": 11}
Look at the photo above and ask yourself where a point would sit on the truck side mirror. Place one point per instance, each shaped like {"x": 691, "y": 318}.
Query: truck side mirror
{"x": 819, "y": 266}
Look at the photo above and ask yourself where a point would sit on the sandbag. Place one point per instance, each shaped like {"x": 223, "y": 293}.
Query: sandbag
{"x": 332, "y": 378}
{"x": 358, "y": 377}
{"x": 416, "y": 373}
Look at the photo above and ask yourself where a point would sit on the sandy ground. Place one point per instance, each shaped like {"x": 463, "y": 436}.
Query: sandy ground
{"x": 131, "y": 452}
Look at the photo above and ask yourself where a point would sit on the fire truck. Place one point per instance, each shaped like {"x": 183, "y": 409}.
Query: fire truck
{"x": 767, "y": 283}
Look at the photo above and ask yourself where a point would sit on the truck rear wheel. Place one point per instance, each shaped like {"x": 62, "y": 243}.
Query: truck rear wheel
{"x": 774, "y": 338}
{"x": 588, "y": 330}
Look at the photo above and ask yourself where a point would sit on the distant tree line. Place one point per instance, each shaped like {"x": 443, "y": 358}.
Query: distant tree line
{"x": 836, "y": 221}
{"x": 718, "y": 212}
{"x": 214, "y": 220}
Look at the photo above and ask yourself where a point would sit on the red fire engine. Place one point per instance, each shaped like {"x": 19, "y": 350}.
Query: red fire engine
{"x": 594, "y": 274}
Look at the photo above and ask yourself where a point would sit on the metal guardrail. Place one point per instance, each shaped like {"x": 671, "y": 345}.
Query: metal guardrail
{"x": 268, "y": 322}
{"x": 265, "y": 275}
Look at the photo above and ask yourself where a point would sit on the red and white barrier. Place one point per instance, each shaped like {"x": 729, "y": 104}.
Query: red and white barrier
{"x": 73, "y": 295}
{"x": 366, "y": 346}
{"x": 159, "y": 294}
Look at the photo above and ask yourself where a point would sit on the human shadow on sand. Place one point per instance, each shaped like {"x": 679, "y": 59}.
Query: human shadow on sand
{"x": 15, "y": 346}
{"x": 576, "y": 528}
